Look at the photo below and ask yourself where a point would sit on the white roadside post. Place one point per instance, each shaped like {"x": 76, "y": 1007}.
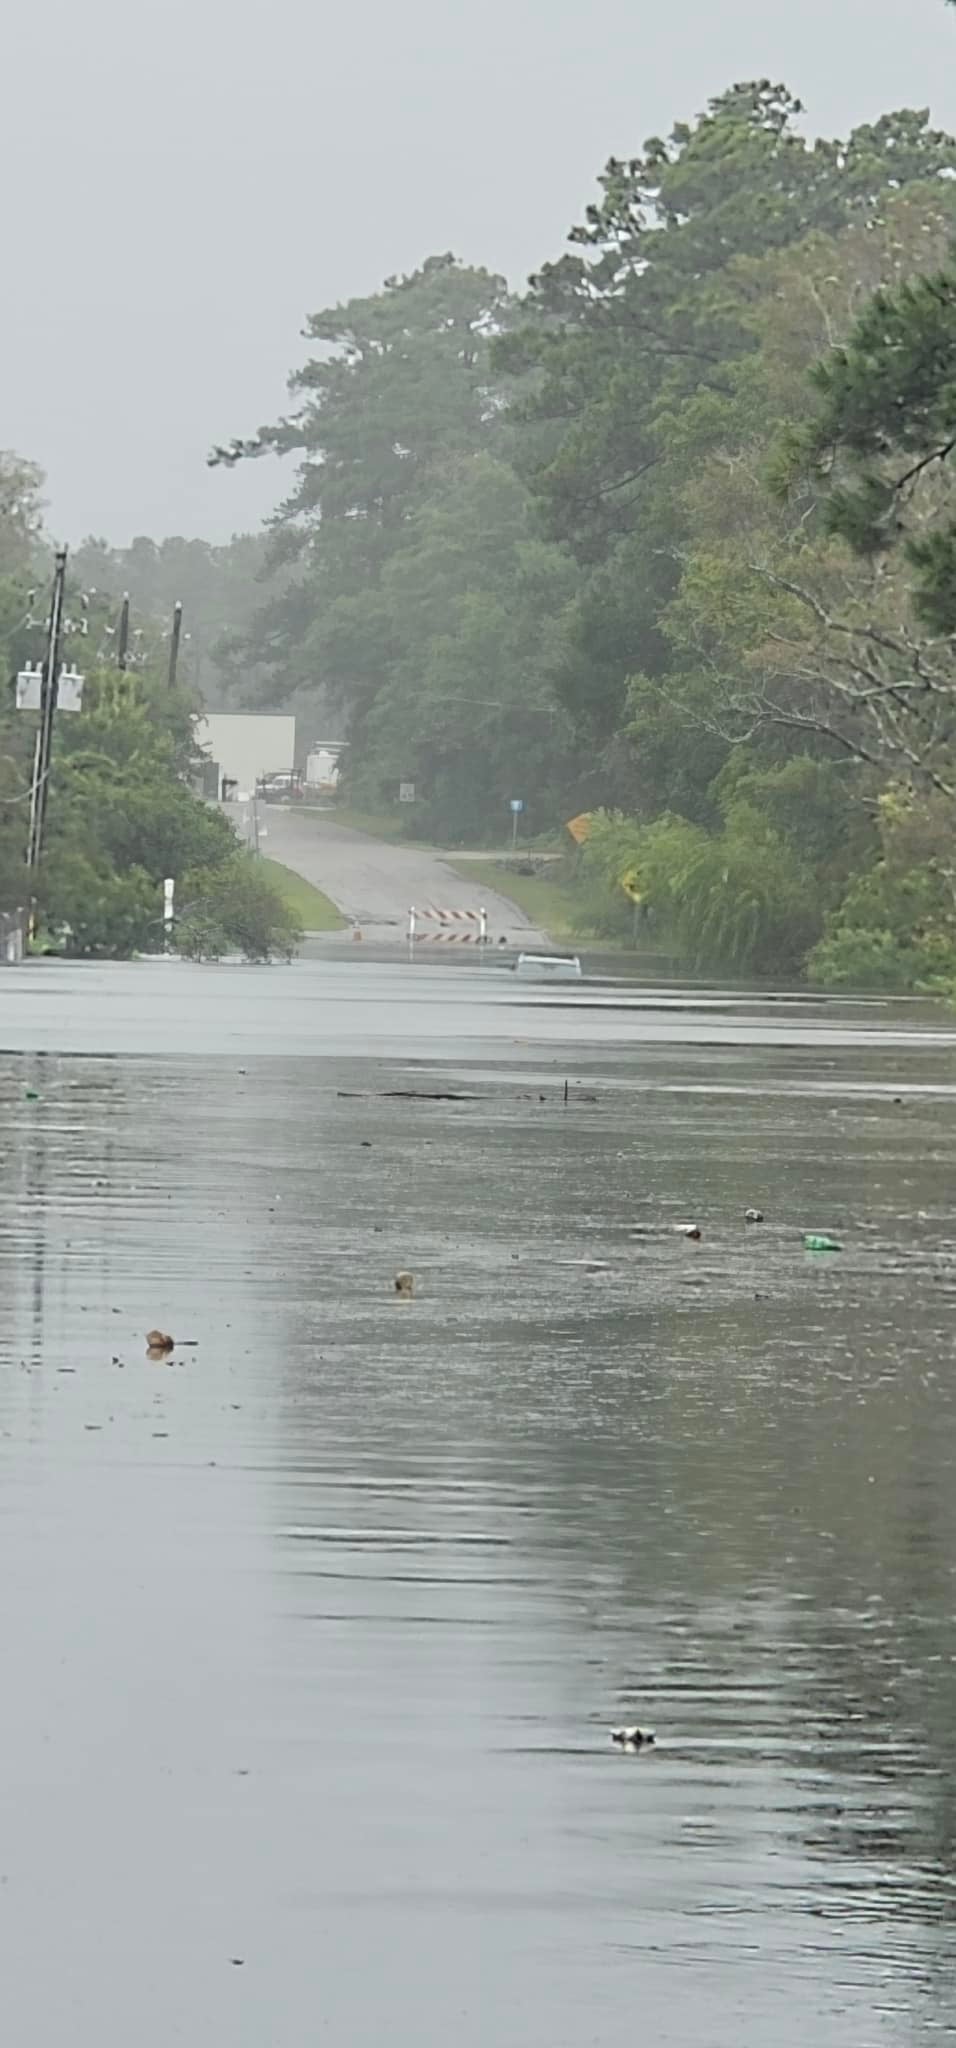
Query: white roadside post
{"x": 169, "y": 895}
{"x": 482, "y": 934}
{"x": 411, "y": 932}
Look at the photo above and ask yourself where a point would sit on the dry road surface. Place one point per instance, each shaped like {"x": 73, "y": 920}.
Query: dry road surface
{"x": 373, "y": 883}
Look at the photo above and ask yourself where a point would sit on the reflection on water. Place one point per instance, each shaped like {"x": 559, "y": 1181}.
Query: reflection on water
{"x": 313, "y": 1635}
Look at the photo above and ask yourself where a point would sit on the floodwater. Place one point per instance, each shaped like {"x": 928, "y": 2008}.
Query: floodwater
{"x": 313, "y": 1635}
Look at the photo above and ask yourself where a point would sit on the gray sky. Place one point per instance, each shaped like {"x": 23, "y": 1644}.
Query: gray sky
{"x": 191, "y": 177}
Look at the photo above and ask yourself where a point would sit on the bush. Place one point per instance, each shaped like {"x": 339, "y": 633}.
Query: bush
{"x": 95, "y": 912}
{"x": 234, "y": 908}
{"x": 199, "y": 936}
{"x": 857, "y": 957}
{"x": 737, "y": 900}
{"x": 896, "y": 926}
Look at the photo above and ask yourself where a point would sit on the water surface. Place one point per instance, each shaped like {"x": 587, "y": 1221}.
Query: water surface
{"x": 312, "y": 1637}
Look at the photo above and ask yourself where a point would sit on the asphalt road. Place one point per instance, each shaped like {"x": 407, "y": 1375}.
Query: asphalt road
{"x": 373, "y": 883}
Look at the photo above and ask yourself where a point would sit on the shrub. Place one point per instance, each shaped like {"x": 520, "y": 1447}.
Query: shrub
{"x": 95, "y": 912}
{"x": 737, "y": 900}
{"x": 234, "y": 908}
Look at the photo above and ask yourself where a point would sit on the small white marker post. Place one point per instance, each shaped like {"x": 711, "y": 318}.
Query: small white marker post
{"x": 411, "y": 931}
{"x": 482, "y": 934}
{"x": 169, "y": 893}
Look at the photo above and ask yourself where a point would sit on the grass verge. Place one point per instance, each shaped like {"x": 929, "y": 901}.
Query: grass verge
{"x": 386, "y": 825}
{"x": 312, "y": 910}
{"x": 548, "y": 904}
{"x": 557, "y": 908}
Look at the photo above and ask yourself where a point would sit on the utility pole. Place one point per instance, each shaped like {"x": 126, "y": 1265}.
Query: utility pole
{"x": 174, "y": 643}
{"x": 48, "y": 695}
{"x": 123, "y": 632}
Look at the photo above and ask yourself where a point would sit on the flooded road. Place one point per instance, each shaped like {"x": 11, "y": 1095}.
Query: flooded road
{"x": 313, "y": 1634}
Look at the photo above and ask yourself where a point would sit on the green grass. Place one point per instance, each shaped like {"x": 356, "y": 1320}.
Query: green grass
{"x": 550, "y": 905}
{"x": 312, "y": 910}
{"x": 557, "y": 908}
{"x": 388, "y": 825}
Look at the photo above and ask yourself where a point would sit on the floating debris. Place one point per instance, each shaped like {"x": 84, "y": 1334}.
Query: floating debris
{"x": 818, "y": 1241}
{"x": 158, "y": 1343}
{"x": 632, "y": 1738}
{"x": 405, "y": 1285}
{"x": 403, "y": 1095}
{"x": 691, "y": 1230}
{"x": 753, "y": 1215}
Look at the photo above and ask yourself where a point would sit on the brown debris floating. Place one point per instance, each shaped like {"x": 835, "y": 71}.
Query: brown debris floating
{"x": 158, "y": 1344}
{"x": 405, "y": 1285}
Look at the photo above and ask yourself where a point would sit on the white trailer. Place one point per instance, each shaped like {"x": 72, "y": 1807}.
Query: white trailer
{"x": 322, "y": 766}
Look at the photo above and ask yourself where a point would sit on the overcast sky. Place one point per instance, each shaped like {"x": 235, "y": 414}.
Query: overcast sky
{"x": 187, "y": 181}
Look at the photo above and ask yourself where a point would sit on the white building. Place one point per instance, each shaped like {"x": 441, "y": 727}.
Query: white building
{"x": 247, "y": 744}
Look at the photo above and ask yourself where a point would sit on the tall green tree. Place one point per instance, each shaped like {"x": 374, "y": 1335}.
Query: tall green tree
{"x": 475, "y": 601}
{"x": 885, "y": 434}
{"x": 398, "y": 397}
{"x": 650, "y": 315}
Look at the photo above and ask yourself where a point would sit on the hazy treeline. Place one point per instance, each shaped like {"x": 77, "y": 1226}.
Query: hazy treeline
{"x": 217, "y": 587}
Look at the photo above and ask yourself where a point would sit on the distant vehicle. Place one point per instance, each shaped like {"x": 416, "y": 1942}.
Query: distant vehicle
{"x": 279, "y": 788}
{"x": 549, "y": 966}
{"x": 322, "y": 768}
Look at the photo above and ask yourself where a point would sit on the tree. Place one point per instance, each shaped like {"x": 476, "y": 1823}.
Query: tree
{"x": 885, "y": 432}
{"x": 655, "y": 312}
{"x": 474, "y": 601}
{"x": 21, "y": 516}
{"x": 401, "y": 387}
{"x": 643, "y": 349}
{"x": 774, "y": 625}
